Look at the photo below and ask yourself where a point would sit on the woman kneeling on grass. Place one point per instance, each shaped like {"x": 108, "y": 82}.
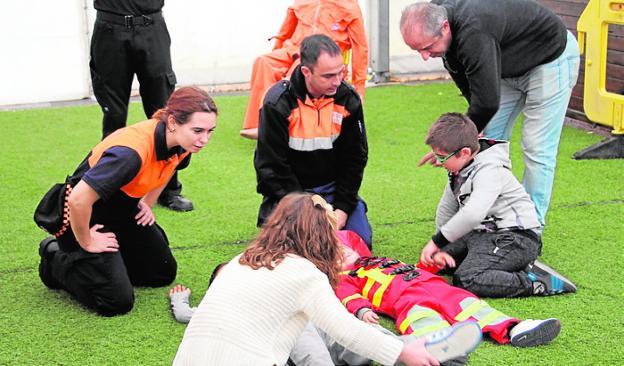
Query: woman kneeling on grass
{"x": 111, "y": 241}
{"x": 261, "y": 301}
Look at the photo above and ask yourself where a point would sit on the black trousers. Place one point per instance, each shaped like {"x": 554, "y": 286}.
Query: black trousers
{"x": 494, "y": 264}
{"x": 104, "y": 281}
{"x": 118, "y": 53}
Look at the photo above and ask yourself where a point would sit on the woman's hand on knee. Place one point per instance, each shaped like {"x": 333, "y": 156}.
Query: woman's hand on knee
{"x": 100, "y": 242}
{"x": 145, "y": 215}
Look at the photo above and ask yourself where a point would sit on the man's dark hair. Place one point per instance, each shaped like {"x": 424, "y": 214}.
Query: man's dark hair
{"x": 312, "y": 47}
{"x": 453, "y": 131}
{"x": 215, "y": 271}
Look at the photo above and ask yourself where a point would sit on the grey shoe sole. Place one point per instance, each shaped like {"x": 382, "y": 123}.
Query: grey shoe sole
{"x": 462, "y": 340}
{"x": 544, "y": 333}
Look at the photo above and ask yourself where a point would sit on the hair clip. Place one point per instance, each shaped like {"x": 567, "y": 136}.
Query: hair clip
{"x": 318, "y": 201}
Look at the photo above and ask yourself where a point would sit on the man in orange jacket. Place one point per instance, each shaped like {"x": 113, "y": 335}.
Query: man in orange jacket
{"x": 341, "y": 20}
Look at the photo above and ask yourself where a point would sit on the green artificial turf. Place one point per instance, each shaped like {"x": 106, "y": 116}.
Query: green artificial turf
{"x": 38, "y": 326}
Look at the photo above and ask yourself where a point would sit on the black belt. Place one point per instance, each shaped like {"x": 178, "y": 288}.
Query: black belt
{"x": 129, "y": 20}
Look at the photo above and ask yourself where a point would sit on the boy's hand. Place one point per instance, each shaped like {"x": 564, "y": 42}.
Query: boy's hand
{"x": 429, "y": 158}
{"x": 370, "y": 317}
{"x": 443, "y": 259}
{"x": 426, "y": 256}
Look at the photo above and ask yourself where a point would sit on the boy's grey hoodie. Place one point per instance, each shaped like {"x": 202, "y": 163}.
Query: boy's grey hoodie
{"x": 485, "y": 195}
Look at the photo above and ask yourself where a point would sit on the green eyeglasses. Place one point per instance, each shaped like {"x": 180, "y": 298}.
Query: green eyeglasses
{"x": 442, "y": 159}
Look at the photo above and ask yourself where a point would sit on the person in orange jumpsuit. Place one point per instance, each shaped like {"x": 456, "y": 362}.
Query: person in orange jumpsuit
{"x": 341, "y": 20}
{"x": 421, "y": 302}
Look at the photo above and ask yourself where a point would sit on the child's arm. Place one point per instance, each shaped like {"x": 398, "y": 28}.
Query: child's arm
{"x": 349, "y": 294}
{"x": 368, "y": 315}
{"x": 180, "y": 307}
{"x": 447, "y": 207}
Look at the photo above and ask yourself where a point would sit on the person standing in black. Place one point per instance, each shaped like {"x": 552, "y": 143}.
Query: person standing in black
{"x": 130, "y": 37}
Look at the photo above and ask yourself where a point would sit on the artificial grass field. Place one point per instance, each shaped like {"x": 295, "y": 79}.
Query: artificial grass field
{"x": 583, "y": 238}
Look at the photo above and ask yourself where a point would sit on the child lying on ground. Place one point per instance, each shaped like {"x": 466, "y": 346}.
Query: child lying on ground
{"x": 421, "y": 302}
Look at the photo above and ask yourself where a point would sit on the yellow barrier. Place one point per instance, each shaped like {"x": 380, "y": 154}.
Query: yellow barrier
{"x": 600, "y": 105}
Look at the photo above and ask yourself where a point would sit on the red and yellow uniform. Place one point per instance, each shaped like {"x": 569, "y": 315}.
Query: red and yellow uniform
{"x": 419, "y": 301}
{"x": 341, "y": 20}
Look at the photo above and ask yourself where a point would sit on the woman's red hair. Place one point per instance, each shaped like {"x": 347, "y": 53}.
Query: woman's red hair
{"x": 298, "y": 226}
{"x": 184, "y": 102}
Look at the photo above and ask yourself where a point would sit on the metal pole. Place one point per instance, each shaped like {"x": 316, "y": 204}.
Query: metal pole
{"x": 379, "y": 44}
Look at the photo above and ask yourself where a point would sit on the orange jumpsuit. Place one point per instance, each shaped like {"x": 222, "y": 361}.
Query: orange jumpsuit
{"x": 341, "y": 20}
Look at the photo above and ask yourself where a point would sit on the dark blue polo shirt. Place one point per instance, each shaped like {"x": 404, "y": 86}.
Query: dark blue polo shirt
{"x": 117, "y": 167}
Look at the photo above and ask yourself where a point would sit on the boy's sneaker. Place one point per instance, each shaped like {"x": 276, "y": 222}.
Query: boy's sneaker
{"x": 546, "y": 281}
{"x": 531, "y": 333}
{"x": 47, "y": 248}
{"x": 454, "y": 343}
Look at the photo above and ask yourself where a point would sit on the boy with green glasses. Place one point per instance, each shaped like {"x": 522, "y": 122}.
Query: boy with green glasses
{"x": 487, "y": 224}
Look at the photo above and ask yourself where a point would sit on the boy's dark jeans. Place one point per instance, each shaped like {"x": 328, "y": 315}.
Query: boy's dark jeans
{"x": 493, "y": 264}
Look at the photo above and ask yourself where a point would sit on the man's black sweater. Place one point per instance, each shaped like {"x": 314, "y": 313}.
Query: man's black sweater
{"x": 494, "y": 39}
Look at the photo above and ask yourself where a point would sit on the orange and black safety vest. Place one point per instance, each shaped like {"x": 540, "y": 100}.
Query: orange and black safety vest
{"x": 140, "y": 138}
{"x": 305, "y": 143}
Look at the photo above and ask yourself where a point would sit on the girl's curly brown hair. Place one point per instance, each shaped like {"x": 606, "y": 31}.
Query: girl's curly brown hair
{"x": 299, "y": 225}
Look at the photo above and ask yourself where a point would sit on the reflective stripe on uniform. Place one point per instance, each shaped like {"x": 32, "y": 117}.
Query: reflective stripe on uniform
{"x": 369, "y": 283}
{"x": 422, "y": 320}
{"x": 495, "y": 317}
{"x": 312, "y": 144}
{"x": 474, "y": 305}
{"x": 432, "y": 328}
{"x": 417, "y": 315}
{"x": 349, "y": 298}
{"x": 481, "y": 311}
{"x": 375, "y": 275}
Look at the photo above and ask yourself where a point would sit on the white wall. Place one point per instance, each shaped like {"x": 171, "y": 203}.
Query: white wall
{"x": 44, "y": 53}
{"x": 402, "y": 58}
{"x": 45, "y": 44}
{"x": 218, "y": 41}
